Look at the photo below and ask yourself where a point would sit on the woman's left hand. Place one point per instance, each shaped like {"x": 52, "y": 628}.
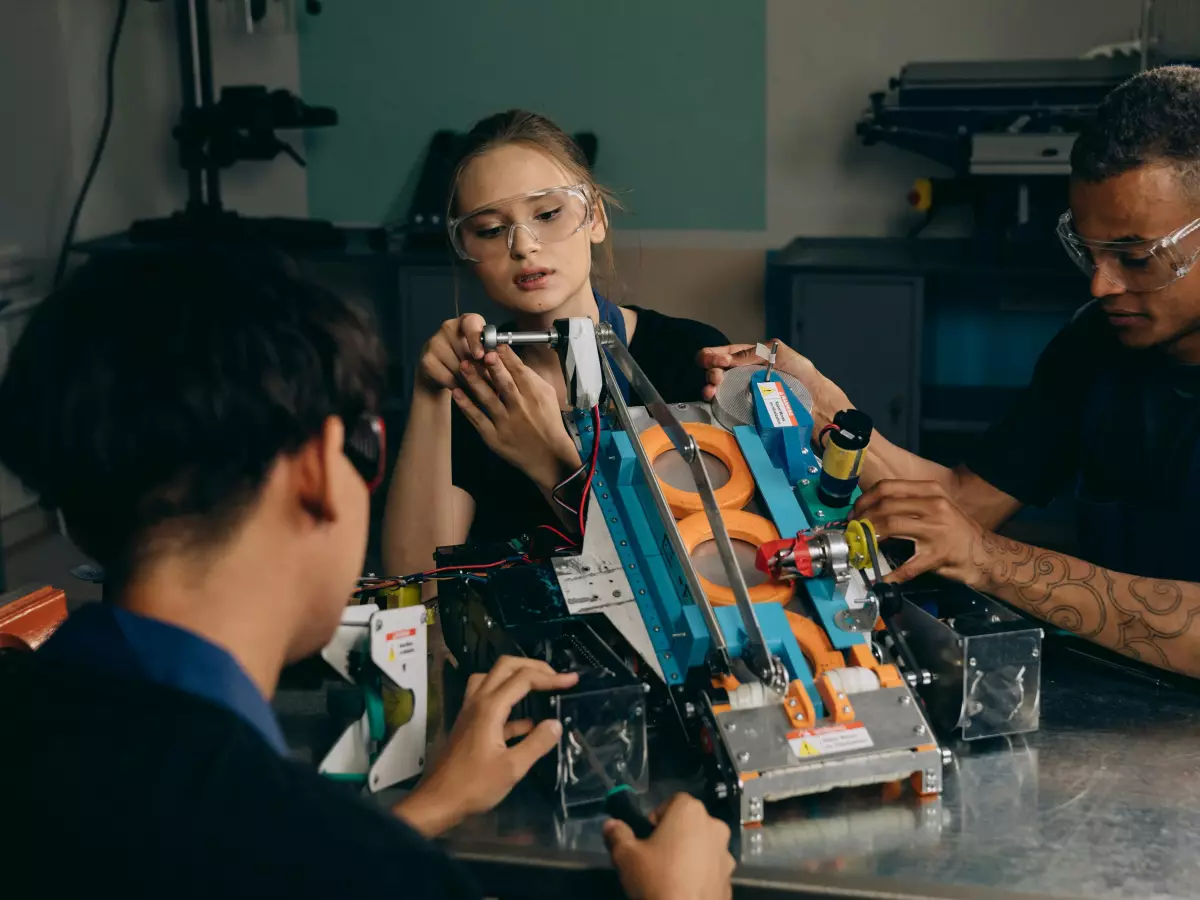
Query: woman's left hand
{"x": 516, "y": 412}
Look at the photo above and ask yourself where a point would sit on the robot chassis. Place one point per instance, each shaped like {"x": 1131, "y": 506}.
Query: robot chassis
{"x": 777, "y": 692}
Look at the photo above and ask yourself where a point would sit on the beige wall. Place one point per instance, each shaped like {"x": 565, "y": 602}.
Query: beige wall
{"x": 722, "y": 287}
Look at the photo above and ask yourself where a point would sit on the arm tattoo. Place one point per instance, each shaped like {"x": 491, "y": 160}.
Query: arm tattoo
{"x": 1149, "y": 619}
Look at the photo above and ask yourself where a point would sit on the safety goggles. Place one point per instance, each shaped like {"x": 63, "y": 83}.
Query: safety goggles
{"x": 1134, "y": 266}
{"x": 366, "y": 448}
{"x": 546, "y": 216}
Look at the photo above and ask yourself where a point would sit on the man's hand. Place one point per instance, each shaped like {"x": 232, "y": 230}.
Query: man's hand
{"x": 517, "y": 414}
{"x": 922, "y": 512}
{"x": 687, "y": 857}
{"x": 828, "y": 399}
{"x": 477, "y": 769}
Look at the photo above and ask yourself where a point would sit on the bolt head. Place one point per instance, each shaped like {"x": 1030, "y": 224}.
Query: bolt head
{"x": 804, "y": 482}
{"x": 732, "y": 726}
{"x": 846, "y": 710}
{"x": 820, "y": 513}
{"x": 812, "y": 470}
{"x": 971, "y": 662}
{"x": 930, "y": 774}
{"x": 905, "y": 700}
{"x": 743, "y": 757}
{"x": 616, "y": 593}
{"x": 792, "y": 702}
{"x": 378, "y": 625}
{"x": 1035, "y": 654}
{"x": 920, "y": 729}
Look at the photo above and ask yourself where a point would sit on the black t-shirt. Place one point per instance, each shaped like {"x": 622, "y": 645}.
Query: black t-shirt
{"x": 1144, "y": 423}
{"x": 507, "y": 503}
{"x": 131, "y": 789}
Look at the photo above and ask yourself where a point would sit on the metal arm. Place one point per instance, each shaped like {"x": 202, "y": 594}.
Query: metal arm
{"x": 766, "y": 666}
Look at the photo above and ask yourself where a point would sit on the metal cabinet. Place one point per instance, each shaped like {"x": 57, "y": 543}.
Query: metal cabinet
{"x": 864, "y": 333}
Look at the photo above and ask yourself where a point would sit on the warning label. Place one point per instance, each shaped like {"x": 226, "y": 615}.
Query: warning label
{"x": 834, "y": 739}
{"x": 779, "y": 410}
{"x": 402, "y": 633}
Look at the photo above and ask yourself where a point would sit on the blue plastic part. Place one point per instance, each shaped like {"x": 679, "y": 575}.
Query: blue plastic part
{"x": 787, "y": 445}
{"x": 619, "y": 489}
{"x": 788, "y": 516}
{"x": 780, "y": 641}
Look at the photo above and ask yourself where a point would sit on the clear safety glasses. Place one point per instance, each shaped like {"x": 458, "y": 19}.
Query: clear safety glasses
{"x": 546, "y": 216}
{"x": 1134, "y": 266}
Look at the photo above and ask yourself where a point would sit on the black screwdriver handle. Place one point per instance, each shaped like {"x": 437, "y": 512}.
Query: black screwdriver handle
{"x": 621, "y": 803}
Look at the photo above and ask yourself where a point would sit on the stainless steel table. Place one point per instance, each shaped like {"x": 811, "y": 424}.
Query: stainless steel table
{"x": 1102, "y": 802}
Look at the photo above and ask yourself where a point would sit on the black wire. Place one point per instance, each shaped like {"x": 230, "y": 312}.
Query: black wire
{"x": 109, "y": 80}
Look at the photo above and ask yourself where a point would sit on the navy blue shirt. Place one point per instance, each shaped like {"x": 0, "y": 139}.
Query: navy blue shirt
{"x": 128, "y": 645}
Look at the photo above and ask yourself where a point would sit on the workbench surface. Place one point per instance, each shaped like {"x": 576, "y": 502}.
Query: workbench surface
{"x": 1102, "y": 802}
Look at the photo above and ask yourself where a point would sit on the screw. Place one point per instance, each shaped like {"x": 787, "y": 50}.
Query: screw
{"x": 681, "y": 406}
{"x": 947, "y": 756}
{"x": 905, "y": 700}
{"x": 642, "y": 593}
{"x": 930, "y": 775}
{"x": 666, "y": 656}
{"x": 920, "y": 729}
{"x": 487, "y": 620}
{"x": 656, "y": 628}
{"x": 846, "y": 710}
{"x": 721, "y": 791}
{"x": 732, "y": 726}
{"x": 804, "y": 482}
{"x": 841, "y": 696}
{"x": 994, "y": 619}
{"x": 689, "y": 709}
{"x": 421, "y": 761}
{"x": 370, "y": 574}
{"x": 637, "y": 712}
{"x": 792, "y": 702}
{"x": 616, "y": 593}
{"x": 1035, "y": 654}
{"x": 754, "y": 801}
{"x": 971, "y": 662}
{"x": 820, "y": 513}
{"x": 378, "y": 625}
{"x": 620, "y": 766}
{"x": 812, "y": 470}
{"x": 587, "y": 568}
{"x": 743, "y": 757}
{"x": 604, "y": 496}
{"x": 624, "y": 543}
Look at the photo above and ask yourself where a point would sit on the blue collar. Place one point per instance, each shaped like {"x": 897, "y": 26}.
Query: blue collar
{"x": 128, "y": 645}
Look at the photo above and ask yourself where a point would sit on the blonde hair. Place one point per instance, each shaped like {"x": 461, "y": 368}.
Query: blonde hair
{"x": 517, "y": 126}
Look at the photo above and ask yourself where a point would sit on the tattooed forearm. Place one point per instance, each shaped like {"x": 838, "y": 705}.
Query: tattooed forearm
{"x": 1149, "y": 619}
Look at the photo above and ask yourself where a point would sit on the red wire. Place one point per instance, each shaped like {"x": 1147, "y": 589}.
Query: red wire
{"x": 824, "y": 431}
{"x": 559, "y": 533}
{"x": 490, "y": 565}
{"x": 587, "y": 487}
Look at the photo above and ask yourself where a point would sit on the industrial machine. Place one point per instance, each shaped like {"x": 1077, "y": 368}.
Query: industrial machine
{"x": 790, "y": 668}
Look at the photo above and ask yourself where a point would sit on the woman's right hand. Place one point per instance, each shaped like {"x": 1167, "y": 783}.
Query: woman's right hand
{"x": 457, "y": 340}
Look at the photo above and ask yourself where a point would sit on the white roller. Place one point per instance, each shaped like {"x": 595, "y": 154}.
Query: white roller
{"x": 854, "y": 680}
{"x": 748, "y": 696}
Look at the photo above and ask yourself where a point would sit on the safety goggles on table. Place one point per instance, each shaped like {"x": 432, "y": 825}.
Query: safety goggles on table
{"x": 1134, "y": 266}
{"x": 546, "y": 216}
{"x": 365, "y": 445}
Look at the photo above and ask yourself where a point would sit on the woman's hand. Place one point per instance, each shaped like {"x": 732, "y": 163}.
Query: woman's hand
{"x": 516, "y": 412}
{"x": 456, "y": 341}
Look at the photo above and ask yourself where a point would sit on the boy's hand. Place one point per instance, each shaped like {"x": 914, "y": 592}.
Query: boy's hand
{"x": 477, "y": 769}
{"x": 687, "y": 857}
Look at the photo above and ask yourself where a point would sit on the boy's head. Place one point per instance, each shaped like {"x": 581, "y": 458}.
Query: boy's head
{"x": 193, "y": 406}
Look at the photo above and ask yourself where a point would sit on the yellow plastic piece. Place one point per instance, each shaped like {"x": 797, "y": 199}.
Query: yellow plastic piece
{"x": 860, "y": 538}
{"x": 921, "y": 195}
{"x": 840, "y": 463}
{"x": 398, "y": 701}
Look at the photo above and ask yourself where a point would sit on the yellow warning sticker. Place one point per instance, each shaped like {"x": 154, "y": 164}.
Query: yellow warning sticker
{"x": 830, "y": 739}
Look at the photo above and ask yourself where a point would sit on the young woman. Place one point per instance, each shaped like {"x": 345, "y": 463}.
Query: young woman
{"x": 485, "y": 444}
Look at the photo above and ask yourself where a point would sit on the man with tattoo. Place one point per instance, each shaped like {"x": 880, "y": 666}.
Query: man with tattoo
{"x": 1112, "y": 412}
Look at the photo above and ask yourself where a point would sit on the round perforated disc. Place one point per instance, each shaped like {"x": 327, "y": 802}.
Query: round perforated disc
{"x": 733, "y": 404}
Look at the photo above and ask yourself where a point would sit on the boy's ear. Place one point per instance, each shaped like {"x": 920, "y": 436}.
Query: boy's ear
{"x": 317, "y": 463}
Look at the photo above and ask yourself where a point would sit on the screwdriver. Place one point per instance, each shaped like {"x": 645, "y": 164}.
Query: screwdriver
{"x": 620, "y": 800}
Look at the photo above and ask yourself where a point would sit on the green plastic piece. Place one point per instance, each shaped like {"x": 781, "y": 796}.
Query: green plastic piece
{"x": 349, "y": 777}
{"x": 806, "y": 494}
{"x": 376, "y": 724}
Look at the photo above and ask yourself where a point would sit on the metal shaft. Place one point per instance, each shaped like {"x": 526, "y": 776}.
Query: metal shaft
{"x": 493, "y": 338}
{"x": 758, "y": 656}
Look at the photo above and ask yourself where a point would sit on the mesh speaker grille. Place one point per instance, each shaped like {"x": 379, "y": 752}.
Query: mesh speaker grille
{"x": 733, "y": 405}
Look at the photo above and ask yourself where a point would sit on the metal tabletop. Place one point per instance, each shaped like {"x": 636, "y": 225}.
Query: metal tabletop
{"x": 1102, "y": 802}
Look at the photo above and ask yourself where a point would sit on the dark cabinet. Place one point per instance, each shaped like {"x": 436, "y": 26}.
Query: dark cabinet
{"x": 864, "y": 333}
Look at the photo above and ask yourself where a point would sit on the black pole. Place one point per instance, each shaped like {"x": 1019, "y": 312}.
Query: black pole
{"x": 187, "y": 84}
{"x": 204, "y": 62}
